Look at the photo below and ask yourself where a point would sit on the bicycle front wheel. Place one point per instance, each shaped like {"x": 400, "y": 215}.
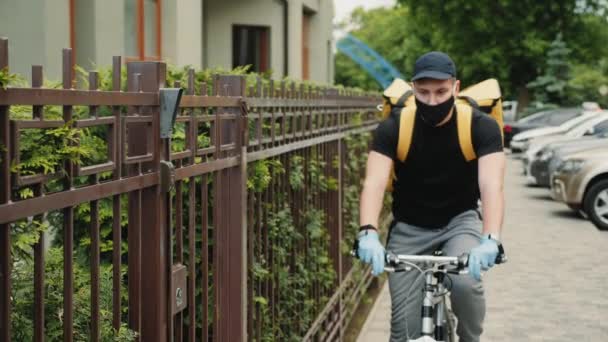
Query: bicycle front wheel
{"x": 450, "y": 325}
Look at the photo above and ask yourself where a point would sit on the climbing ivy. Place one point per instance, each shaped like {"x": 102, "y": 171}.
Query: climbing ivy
{"x": 296, "y": 273}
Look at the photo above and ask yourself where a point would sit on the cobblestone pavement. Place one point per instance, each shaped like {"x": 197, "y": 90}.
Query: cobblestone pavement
{"x": 555, "y": 285}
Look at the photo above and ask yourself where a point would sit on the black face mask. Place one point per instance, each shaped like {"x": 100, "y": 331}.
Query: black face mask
{"x": 433, "y": 115}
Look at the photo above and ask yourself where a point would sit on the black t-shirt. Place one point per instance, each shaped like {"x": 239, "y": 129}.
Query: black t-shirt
{"x": 436, "y": 182}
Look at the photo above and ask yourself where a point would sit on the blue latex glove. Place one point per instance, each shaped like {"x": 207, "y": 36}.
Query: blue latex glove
{"x": 371, "y": 250}
{"x": 482, "y": 257}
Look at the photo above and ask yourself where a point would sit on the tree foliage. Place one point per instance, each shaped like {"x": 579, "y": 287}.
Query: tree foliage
{"x": 507, "y": 40}
{"x": 551, "y": 86}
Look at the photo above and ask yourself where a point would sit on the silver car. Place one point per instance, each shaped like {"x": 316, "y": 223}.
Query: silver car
{"x": 521, "y": 141}
{"x": 545, "y": 161}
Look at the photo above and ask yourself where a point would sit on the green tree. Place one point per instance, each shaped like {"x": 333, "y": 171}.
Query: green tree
{"x": 589, "y": 83}
{"x": 551, "y": 86}
{"x": 505, "y": 39}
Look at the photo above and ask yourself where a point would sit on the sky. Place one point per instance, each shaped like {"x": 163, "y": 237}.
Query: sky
{"x": 344, "y": 7}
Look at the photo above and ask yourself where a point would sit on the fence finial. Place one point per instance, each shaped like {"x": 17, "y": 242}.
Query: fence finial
{"x": 3, "y": 53}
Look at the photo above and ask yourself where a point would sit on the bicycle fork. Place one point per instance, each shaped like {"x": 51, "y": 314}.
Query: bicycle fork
{"x": 433, "y": 320}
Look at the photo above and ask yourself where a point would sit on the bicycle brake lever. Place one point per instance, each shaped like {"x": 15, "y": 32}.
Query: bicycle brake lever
{"x": 501, "y": 258}
{"x": 355, "y": 251}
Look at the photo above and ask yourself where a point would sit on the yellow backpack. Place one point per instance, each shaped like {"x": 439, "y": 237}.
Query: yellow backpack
{"x": 485, "y": 96}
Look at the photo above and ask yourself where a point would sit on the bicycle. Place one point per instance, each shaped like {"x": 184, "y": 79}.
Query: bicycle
{"x": 438, "y": 321}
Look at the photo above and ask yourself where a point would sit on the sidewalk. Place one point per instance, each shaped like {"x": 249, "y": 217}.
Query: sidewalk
{"x": 377, "y": 326}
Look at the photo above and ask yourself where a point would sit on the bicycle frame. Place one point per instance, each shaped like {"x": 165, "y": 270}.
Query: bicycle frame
{"x": 434, "y": 307}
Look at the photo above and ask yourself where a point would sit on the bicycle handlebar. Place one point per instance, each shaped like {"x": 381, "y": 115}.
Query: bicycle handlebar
{"x": 459, "y": 263}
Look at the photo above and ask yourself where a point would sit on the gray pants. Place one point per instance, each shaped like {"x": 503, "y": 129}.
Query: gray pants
{"x": 468, "y": 303}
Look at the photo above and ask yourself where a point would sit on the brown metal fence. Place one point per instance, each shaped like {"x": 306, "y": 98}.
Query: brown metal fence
{"x": 207, "y": 259}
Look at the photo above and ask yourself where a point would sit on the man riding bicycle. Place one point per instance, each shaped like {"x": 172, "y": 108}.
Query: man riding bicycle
{"x": 435, "y": 198}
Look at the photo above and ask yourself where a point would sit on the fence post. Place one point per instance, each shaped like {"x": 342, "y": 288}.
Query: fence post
{"x": 5, "y": 196}
{"x": 335, "y": 205}
{"x": 152, "y": 272}
{"x": 231, "y": 230}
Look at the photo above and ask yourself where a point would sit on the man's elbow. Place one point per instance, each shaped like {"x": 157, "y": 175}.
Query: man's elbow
{"x": 374, "y": 185}
{"x": 491, "y": 187}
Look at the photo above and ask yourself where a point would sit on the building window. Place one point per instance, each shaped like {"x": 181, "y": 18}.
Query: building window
{"x": 143, "y": 38}
{"x": 250, "y": 46}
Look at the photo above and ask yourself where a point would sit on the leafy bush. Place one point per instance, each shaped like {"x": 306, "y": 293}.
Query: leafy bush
{"x": 22, "y": 301}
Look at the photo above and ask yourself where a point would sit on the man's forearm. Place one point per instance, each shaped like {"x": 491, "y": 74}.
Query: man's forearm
{"x": 371, "y": 204}
{"x": 492, "y": 201}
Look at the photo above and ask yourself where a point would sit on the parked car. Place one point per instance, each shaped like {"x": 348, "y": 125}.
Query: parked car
{"x": 509, "y": 111}
{"x": 547, "y": 160}
{"x": 596, "y": 124}
{"x": 582, "y": 183}
{"x": 545, "y": 118}
{"x": 521, "y": 141}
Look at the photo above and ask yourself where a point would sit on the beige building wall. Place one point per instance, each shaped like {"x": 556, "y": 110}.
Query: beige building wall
{"x": 99, "y": 32}
{"x": 182, "y": 32}
{"x": 37, "y": 31}
{"x": 195, "y": 32}
{"x": 294, "y": 45}
{"x": 321, "y": 44}
{"x": 321, "y": 58}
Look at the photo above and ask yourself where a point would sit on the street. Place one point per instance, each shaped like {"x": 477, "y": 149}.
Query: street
{"x": 554, "y": 286}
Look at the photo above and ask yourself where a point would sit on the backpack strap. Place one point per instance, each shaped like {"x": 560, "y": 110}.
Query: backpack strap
{"x": 406, "y": 130}
{"x": 403, "y": 99}
{"x": 464, "y": 116}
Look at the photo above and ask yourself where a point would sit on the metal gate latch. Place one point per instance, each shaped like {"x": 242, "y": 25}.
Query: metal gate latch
{"x": 167, "y": 176}
{"x": 178, "y": 288}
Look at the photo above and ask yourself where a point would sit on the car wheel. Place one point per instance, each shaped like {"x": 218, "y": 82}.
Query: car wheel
{"x": 596, "y": 204}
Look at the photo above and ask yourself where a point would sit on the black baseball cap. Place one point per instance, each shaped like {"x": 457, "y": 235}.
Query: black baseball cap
{"x": 436, "y": 65}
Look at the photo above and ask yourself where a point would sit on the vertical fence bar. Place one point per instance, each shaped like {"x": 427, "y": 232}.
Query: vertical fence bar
{"x": 272, "y": 116}
{"x": 134, "y": 215}
{"x": 250, "y": 259}
{"x": 68, "y": 218}
{"x": 116, "y": 141}
{"x": 192, "y": 220}
{"x": 155, "y": 244}
{"x": 260, "y": 119}
{"x": 337, "y": 235}
{"x": 205, "y": 257}
{"x": 179, "y": 229}
{"x": 230, "y": 235}
{"x": 216, "y": 215}
{"x": 179, "y": 246}
{"x": 339, "y": 209}
{"x": 5, "y": 197}
{"x": 95, "y": 258}
{"x": 263, "y": 254}
{"x": 38, "y": 114}
{"x": 283, "y": 115}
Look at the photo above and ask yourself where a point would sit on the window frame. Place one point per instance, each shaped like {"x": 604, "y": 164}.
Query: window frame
{"x": 140, "y": 17}
{"x": 265, "y": 51}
